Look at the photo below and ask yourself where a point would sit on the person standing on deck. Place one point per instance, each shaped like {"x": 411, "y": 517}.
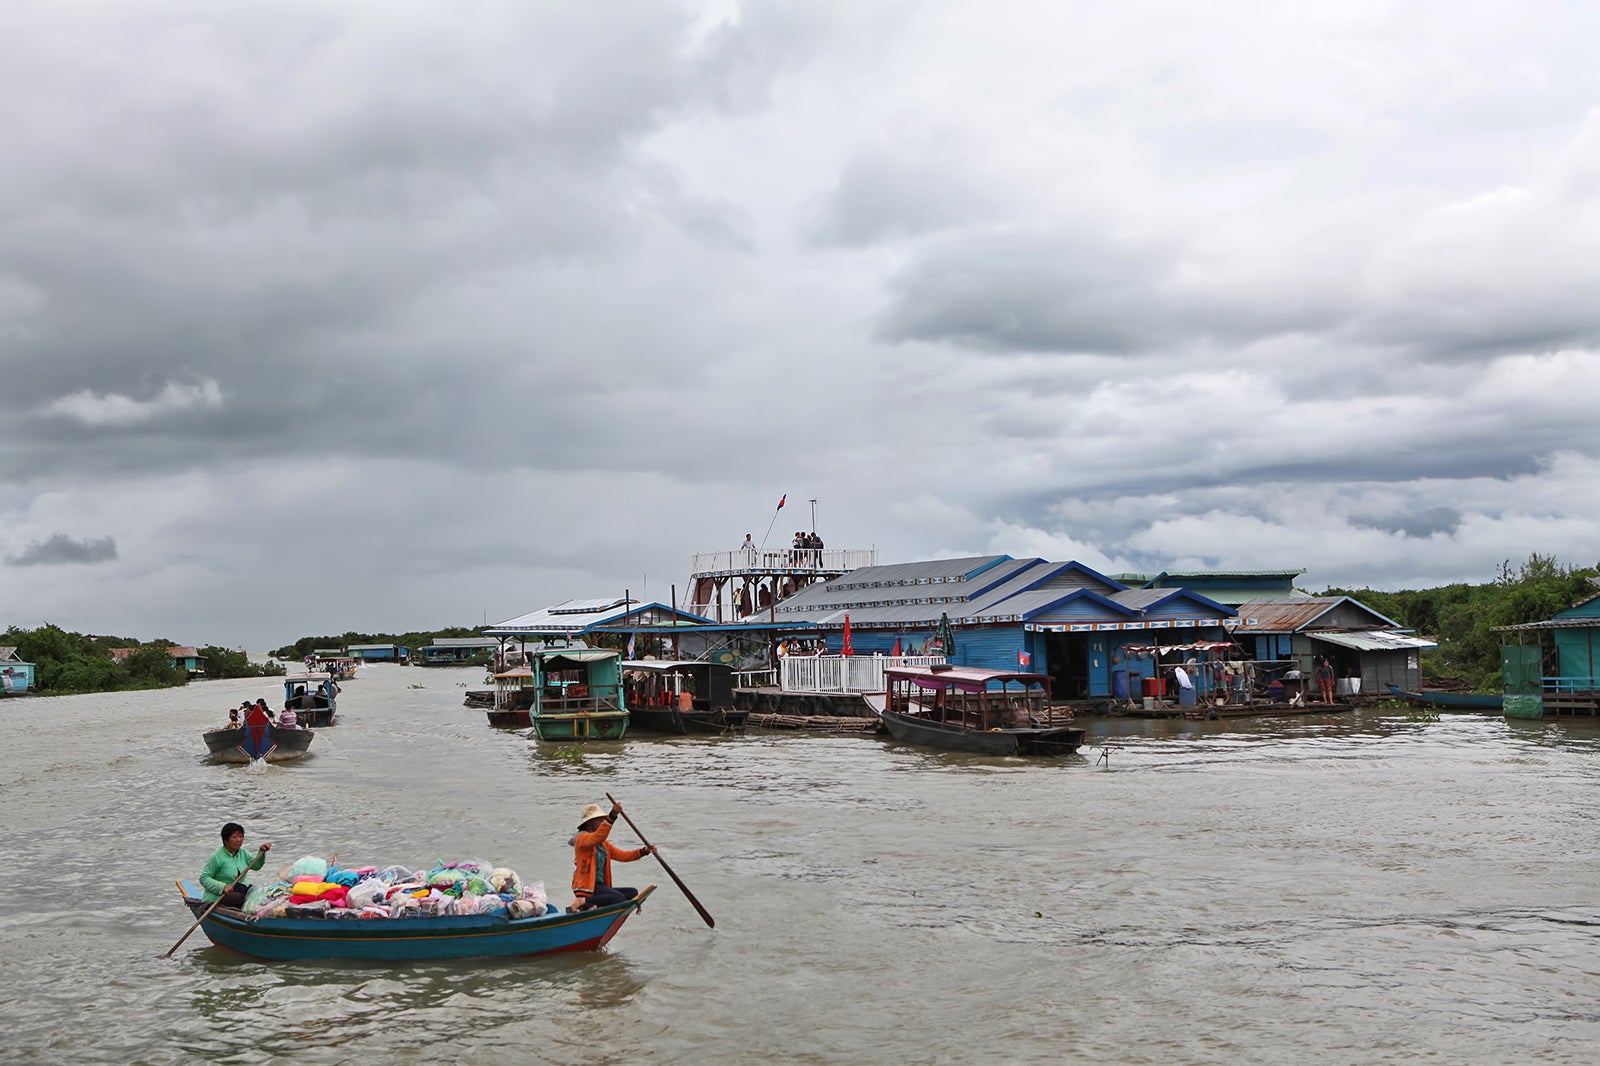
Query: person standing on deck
{"x": 749, "y": 549}
{"x": 592, "y": 857}
{"x": 1325, "y": 681}
{"x": 227, "y": 863}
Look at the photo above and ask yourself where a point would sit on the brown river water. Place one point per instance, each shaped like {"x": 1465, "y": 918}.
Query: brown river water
{"x": 1343, "y": 888}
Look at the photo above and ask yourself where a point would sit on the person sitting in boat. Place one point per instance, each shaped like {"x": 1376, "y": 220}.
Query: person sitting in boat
{"x": 288, "y": 719}
{"x": 226, "y": 866}
{"x": 261, "y": 705}
{"x": 592, "y": 857}
{"x": 233, "y": 718}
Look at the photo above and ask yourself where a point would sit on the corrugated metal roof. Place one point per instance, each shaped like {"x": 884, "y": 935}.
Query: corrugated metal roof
{"x": 561, "y": 618}
{"x": 1230, "y": 573}
{"x": 933, "y": 585}
{"x": 1375, "y": 640}
{"x": 1283, "y": 616}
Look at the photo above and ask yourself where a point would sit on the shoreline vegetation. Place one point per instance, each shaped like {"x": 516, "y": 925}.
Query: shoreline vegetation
{"x": 1460, "y": 617}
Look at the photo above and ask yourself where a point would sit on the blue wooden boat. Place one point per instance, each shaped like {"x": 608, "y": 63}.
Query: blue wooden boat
{"x": 411, "y": 939}
{"x": 1450, "y": 701}
{"x": 314, "y": 696}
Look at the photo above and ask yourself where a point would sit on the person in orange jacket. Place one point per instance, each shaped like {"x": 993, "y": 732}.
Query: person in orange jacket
{"x": 592, "y": 856}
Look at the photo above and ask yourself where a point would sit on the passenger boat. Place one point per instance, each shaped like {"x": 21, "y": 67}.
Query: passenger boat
{"x": 681, "y": 696}
{"x": 1450, "y": 701}
{"x": 410, "y": 939}
{"x": 960, "y": 708}
{"x": 314, "y": 697}
{"x": 339, "y": 667}
{"x": 577, "y": 694}
{"x": 513, "y": 699}
{"x": 257, "y": 738}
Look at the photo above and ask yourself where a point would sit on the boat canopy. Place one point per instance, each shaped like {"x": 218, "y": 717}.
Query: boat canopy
{"x": 573, "y": 658}
{"x": 963, "y": 678}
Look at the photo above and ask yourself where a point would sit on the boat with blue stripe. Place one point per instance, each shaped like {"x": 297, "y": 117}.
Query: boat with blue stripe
{"x": 411, "y": 939}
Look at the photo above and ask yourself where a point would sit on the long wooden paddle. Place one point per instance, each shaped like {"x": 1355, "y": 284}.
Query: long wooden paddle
{"x": 208, "y": 910}
{"x": 710, "y": 921}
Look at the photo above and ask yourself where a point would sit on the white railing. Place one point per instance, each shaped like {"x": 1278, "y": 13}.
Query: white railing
{"x": 781, "y": 558}
{"x": 845, "y": 673}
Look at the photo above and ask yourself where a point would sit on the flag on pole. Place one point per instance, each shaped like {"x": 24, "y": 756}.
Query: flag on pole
{"x": 783, "y": 500}
{"x": 1023, "y": 658}
{"x": 630, "y": 644}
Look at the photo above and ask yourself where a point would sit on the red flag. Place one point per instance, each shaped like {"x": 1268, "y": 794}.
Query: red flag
{"x": 1023, "y": 658}
{"x": 896, "y": 652}
{"x": 846, "y": 650}
{"x": 783, "y": 501}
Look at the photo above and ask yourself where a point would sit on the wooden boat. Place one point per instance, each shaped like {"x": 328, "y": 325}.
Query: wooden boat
{"x": 577, "y": 694}
{"x": 314, "y": 697}
{"x": 411, "y": 939}
{"x": 959, "y": 708}
{"x": 257, "y": 738}
{"x": 1450, "y": 701}
{"x": 512, "y": 703}
{"x": 339, "y": 667}
{"x": 681, "y": 696}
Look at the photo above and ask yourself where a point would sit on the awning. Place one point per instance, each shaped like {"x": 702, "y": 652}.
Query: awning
{"x": 1374, "y": 640}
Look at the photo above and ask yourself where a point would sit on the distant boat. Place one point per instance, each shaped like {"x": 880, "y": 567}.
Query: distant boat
{"x": 682, "y": 696}
{"x": 314, "y": 697}
{"x": 411, "y": 939}
{"x": 958, "y": 708}
{"x": 257, "y": 738}
{"x": 1451, "y": 701}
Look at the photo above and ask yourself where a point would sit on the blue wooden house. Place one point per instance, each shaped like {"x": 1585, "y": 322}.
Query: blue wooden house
{"x": 379, "y": 653}
{"x": 1062, "y": 619}
{"x": 1552, "y": 670}
{"x": 16, "y": 676}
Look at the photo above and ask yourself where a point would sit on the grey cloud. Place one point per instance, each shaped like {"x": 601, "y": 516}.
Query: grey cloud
{"x": 60, "y": 550}
{"x": 1020, "y": 290}
{"x": 881, "y": 195}
{"x": 1417, "y": 524}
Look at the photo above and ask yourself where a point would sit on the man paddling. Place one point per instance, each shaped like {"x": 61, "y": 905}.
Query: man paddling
{"x": 592, "y": 855}
{"x": 227, "y": 864}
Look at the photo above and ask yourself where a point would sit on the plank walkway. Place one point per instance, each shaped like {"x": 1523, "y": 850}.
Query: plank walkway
{"x": 825, "y": 723}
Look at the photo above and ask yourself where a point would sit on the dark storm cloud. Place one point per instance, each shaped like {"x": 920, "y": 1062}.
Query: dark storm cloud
{"x": 336, "y": 221}
{"x": 62, "y": 550}
{"x": 1418, "y": 524}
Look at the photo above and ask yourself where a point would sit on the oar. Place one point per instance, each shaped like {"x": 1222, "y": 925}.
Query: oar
{"x": 211, "y": 908}
{"x": 710, "y": 921}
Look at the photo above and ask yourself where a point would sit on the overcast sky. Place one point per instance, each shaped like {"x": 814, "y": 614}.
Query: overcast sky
{"x": 378, "y": 316}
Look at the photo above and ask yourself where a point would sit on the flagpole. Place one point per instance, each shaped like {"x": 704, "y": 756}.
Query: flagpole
{"x": 768, "y": 533}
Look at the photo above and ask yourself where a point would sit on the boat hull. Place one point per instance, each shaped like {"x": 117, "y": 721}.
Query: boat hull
{"x": 1450, "y": 701}
{"x": 675, "y": 721}
{"x": 242, "y": 746}
{"x": 601, "y": 725}
{"x": 510, "y": 719}
{"x": 911, "y": 729}
{"x": 414, "y": 939}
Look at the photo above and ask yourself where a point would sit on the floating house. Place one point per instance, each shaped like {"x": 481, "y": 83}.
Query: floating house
{"x": 455, "y": 651}
{"x": 1551, "y": 671}
{"x": 16, "y": 676}
{"x": 189, "y": 660}
{"x": 1369, "y": 652}
{"x": 584, "y": 619}
{"x": 996, "y": 612}
{"x": 1230, "y": 587}
{"x": 379, "y": 653}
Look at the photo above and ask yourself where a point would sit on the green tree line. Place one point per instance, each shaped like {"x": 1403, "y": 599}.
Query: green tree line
{"x": 1462, "y": 617}
{"x": 412, "y": 641}
{"x": 67, "y": 662}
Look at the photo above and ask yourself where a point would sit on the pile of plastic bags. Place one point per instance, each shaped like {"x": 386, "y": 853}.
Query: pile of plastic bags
{"x": 313, "y": 888}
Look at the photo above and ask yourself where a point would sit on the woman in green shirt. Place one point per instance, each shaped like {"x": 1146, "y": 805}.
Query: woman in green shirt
{"x": 229, "y": 862}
